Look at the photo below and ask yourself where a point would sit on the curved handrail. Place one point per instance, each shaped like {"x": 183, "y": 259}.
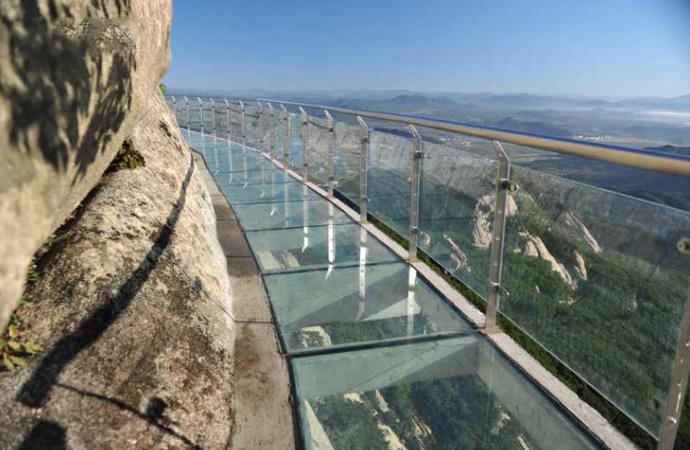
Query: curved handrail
{"x": 657, "y": 161}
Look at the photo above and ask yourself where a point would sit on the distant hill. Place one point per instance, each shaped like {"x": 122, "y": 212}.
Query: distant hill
{"x": 412, "y": 104}
{"x": 530, "y": 126}
{"x": 672, "y": 149}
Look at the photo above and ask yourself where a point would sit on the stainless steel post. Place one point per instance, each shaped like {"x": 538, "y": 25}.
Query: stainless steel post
{"x": 679, "y": 376}
{"x": 201, "y": 114}
{"x": 415, "y": 187}
{"x": 330, "y": 124}
{"x": 363, "y": 169}
{"x": 272, "y": 131}
{"x": 258, "y": 137}
{"x": 285, "y": 121}
{"x": 305, "y": 144}
{"x": 227, "y": 119}
{"x": 503, "y": 186}
{"x": 189, "y": 114}
{"x": 243, "y": 112}
{"x": 213, "y": 109}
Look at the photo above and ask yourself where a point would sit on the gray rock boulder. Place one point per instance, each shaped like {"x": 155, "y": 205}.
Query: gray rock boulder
{"x": 131, "y": 307}
{"x": 75, "y": 77}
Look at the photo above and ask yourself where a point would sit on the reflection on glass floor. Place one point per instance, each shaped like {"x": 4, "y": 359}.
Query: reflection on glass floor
{"x": 289, "y": 214}
{"x": 268, "y": 192}
{"x": 457, "y": 393}
{"x": 355, "y": 305}
{"x": 312, "y": 247}
{"x": 380, "y": 359}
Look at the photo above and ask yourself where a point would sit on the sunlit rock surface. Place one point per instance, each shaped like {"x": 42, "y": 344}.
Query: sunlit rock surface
{"x": 131, "y": 307}
{"x": 75, "y": 77}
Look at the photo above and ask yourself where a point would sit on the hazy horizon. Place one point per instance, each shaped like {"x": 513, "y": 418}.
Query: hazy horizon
{"x": 402, "y": 91}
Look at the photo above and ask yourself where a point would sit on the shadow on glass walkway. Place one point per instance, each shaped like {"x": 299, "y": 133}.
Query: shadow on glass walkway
{"x": 379, "y": 358}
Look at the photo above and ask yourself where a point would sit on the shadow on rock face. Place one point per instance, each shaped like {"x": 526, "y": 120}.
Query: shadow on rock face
{"x": 45, "y": 435}
{"x": 36, "y": 391}
{"x": 58, "y": 66}
{"x": 154, "y": 413}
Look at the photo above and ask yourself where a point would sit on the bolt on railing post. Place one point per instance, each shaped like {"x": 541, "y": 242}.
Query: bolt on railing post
{"x": 201, "y": 114}
{"x": 330, "y": 124}
{"x": 363, "y": 169}
{"x": 503, "y": 186}
{"x": 305, "y": 144}
{"x": 415, "y": 187}
{"x": 189, "y": 113}
{"x": 285, "y": 122}
{"x": 243, "y": 112}
{"x": 272, "y": 131}
{"x": 679, "y": 380}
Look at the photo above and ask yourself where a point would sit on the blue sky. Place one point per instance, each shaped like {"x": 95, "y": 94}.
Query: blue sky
{"x": 582, "y": 47}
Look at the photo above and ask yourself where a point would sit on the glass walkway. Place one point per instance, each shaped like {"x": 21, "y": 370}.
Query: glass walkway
{"x": 379, "y": 358}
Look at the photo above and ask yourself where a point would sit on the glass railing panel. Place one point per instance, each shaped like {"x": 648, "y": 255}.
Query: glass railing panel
{"x": 251, "y": 123}
{"x": 181, "y": 114}
{"x": 457, "y": 393}
{"x": 289, "y": 214}
{"x": 207, "y": 116}
{"x": 262, "y": 130}
{"x": 358, "y": 305}
{"x": 347, "y": 152}
{"x": 319, "y": 147}
{"x": 295, "y": 147}
{"x": 236, "y": 123}
{"x": 220, "y": 123}
{"x": 595, "y": 277}
{"x": 316, "y": 246}
{"x": 194, "y": 115}
{"x": 389, "y": 180}
{"x": 279, "y": 129}
{"x": 455, "y": 218}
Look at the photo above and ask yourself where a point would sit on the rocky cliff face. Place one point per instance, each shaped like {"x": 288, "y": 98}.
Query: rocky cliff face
{"x": 75, "y": 78}
{"x": 131, "y": 307}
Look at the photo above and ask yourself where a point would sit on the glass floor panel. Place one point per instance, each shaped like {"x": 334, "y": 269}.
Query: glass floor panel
{"x": 237, "y": 163}
{"x": 287, "y": 214}
{"x": 314, "y": 247}
{"x": 357, "y": 305}
{"x": 261, "y": 193}
{"x": 457, "y": 393}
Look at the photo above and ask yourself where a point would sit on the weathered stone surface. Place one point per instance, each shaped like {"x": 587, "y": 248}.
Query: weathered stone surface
{"x": 261, "y": 400}
{"x": 75, "y": 77}
{"x": 133, "y": 309}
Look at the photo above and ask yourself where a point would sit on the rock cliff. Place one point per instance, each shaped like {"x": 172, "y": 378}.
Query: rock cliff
{"x": 131, "y": 307}
{"x": 75, "y": 78}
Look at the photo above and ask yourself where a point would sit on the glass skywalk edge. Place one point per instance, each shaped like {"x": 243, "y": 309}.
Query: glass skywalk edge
{"x": 456, "y": 393}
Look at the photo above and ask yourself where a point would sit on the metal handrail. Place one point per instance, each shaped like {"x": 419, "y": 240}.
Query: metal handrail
{"x": 657, "y": 161}
{"x": 644, "y": 159}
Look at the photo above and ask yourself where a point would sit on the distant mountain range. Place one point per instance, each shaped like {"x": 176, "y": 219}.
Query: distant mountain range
{"x": 408, "y": 98}
{"x": 635, "y": 122}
